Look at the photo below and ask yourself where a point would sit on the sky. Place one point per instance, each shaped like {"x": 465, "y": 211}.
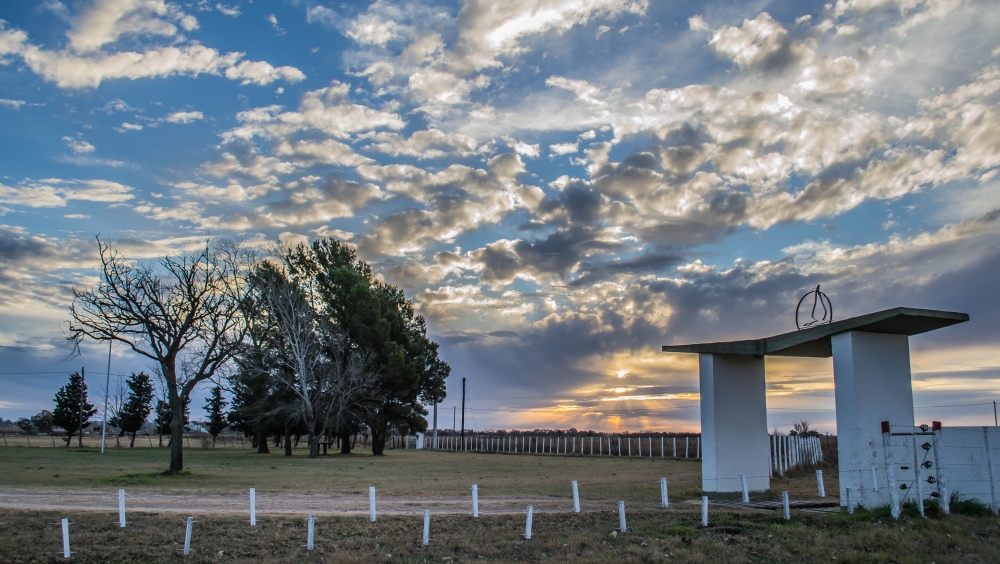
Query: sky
{"x": 561, "y": 187}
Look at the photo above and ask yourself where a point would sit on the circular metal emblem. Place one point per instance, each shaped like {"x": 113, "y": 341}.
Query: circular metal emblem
{"x": 822, "y": 310}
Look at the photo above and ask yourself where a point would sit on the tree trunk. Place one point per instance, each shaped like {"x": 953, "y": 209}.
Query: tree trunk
{"x": 79, "y": 443}
{"x": 176, "y": 433}
{"x": 288, "y": 439}
{"x": 131, "y": 444}
{"x": 378, "y": 441}
{"x": 313, "y": 445}
{"x": 345, "y": 441}
{"x": 261, "y": 439}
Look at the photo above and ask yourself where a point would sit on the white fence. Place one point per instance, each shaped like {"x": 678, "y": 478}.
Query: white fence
{"x": 789, "y": 451}
{"x": 597, "y": 445}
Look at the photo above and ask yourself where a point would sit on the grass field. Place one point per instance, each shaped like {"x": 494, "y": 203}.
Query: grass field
{"x": 425, "y": 478}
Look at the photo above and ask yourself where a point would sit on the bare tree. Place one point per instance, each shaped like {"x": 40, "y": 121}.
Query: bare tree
{"x": 187, "y": 311}
{"x": 116, "y": 398}
{"x": 311, "y": 359}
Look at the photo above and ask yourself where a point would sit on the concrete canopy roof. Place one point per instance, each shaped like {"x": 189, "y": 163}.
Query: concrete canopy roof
{"x": 815, "y": 341}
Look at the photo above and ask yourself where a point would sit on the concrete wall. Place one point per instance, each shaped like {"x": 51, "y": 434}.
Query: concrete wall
{"x": 970, "y": 469}
{"x": 733, "y": 423}
{"x": 871, "y": 373}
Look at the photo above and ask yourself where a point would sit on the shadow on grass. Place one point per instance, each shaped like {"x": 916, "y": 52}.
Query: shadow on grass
{"x": 151, "y": 478}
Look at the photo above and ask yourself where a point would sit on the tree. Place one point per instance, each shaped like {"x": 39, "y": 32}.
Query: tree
{"x": 42, "y": 421}
{"x": 25, "y": 425}
{"x": 378, "y": 319}
{"x": 72, "y": 411}
{"x": 164, "y": 416}
{"x": 187, "y": 314}
{"x": 139, "y": 403}
{"x": 215, "y": 406}
{"x": 308, "y": 360}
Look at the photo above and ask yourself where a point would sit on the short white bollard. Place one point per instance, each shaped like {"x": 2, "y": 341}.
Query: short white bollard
{"x": 874, "y": 479}
{"x": 371, "y": 504}
{"x": 743, "y": 486}
{"x": 527, "y": 524}
{"x": 704, "y": 511}
{"x": 664, "y": 501}
{"x": 784, "y": 505}
{"x": 121, "y": 508}
{"x": 576, "y": 497}
{"x": 65, "y": 531}
{"x": 850, "y": 502}
{"x": 427, "y": 527}
{"x": 309, "y": 534}
{"x": 621, "y": 516}
{"x": 253, "y": 507}
{"x": 187, "y": 536}
{"x": 819, "y": 483}
{"x": 475, "y": 500}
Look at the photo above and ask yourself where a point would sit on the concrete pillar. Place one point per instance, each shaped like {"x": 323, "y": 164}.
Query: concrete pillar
{"x": 871, "y": 372}
{"x": 733, "y": 422}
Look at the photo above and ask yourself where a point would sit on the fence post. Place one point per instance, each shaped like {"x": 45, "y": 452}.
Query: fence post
{"x": 916, "y": 477}
{"x": 687, "y": 446}
{"x": 576, "y": 497}
{"x": 621, "y": 516}
{"x": 704, "y": 511}
{"x": 850, "y": 502}
{"x": 942, "y": 484}
{"x": 253, "y": 507}
{"x": 309, "y": 535}
{"x": 475, "y": 500}
{"x": 698, "y": 448}
{"x": 662, "y": 447}
{"x": 743, "y": 486}
{"x": 819, "y": 482}
{"x": 527, "y": 524}
{"x": 65, "y": 532}
{"x": 187, "y": 536}
{"x": 664, "y": 501}
{"x": 427, "y": 527}
{"x": 784, "y": 505}
{"x": 371, "y": 504}
{"x": 675, "y": 447}
{"x": 890, "y": 474}
{"x": 121, "y": 508}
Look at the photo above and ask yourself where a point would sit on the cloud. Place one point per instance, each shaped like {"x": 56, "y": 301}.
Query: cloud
{"x": 231, "y": 11}
{"x": 184, "y": 117}
{"x": 126, "y": 126}
{"x": 15, "y": 104}
{"x": 273, "y": 20}
{"x": 55, "y": 192}
{"x": 78, "y": 145}
{"x": 104, "y": 21}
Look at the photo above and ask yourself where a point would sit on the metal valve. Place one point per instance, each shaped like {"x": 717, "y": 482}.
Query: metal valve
{"x": 926, "y": 446}
{"x": 931, "y": 479}
{"x": 924, "y": 428}
{"x": 903, "y": 486}
{"x": 935, "y": 494}
{"x": 927, "y": 464}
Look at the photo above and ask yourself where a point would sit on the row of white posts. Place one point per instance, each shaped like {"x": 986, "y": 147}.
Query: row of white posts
{"x": 603, "y": 445}
{"x": 310, "y": 536}
{"x": 789, "y": 451}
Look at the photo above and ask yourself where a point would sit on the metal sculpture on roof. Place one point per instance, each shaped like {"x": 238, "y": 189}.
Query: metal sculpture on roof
{"x": 821, "y": 304}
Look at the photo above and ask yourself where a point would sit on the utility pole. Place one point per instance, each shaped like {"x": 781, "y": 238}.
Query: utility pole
{"x": 995, "y": 414}
{"x": 454, "y": 419}
{"x": 107, "y": 390}
{"x": 435, "y": 424}
{"x": 463, "y": 413}
{"x": 83, "y": 382}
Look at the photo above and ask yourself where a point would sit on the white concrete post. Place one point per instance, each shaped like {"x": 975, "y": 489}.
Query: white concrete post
{"x": 527, "y": 524}
{"x": 917, "y": 480}
{"x": 819, "y": 483}
{"x": 942, "y": 483}
{"x": 872, "y": 380}
{"x": 743, "y": 488}
{"x": 621, "y": 516}
{"x": 427, "y": 527}
{"x": 704, "y": 511}
{"x": 664, "y": 501}
{"x": 733, "y": 423}
{"x": 675, "y": 447}
{"x": 784, "y": 505}
{"x": 576, "y": 497}
{"x": 638, "y": 440}
{"x": 619, "y": 446}
{"x": 65, "y": 532}
{"x": 874, "y": 479}
{"x": 187, "y": 536}
{"x": 628, "y": 441}
{"x": 591, "y": 446}
{"x": 253, "y": 507}
{"x": 121, "y": 508}
{"x": 687, "y": 445}
{"x": 371, "y": 504}
{"x": 850, "y": 502}
{"x": 662, "y": 447}
{"x": 309, "y": 533}
{"x": 650, "y": 445}
{"x": 475, "y": 500}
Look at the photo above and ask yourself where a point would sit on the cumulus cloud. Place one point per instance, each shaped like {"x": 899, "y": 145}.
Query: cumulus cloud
{"x": 55, "y": 192}
{"x": 78, "y": 145}
{"x": 15, "y": 104}
{"x": 184, "y": 117}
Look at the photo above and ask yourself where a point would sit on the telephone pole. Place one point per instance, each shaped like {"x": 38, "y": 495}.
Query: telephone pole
{"x": 463, "y": 413}
{"x": 83, "y": 382}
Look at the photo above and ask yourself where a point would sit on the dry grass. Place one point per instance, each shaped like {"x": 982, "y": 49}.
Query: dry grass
{"x": 652, "y": 534}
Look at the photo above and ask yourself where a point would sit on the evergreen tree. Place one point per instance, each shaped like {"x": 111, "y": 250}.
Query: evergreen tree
{"x": 72, "y": 411}
{"x": 215, "y": 406}
{"x": 165, "y": 416}
{"x": 137, "y": 405}
{"x": 26, "y": 425}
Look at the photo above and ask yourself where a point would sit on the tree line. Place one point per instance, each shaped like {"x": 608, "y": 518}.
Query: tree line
{"x": 307, "y": 339}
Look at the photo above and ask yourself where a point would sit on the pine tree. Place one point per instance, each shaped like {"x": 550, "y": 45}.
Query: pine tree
{"x": 215, "y": 406}
{"x": 164, "y": 416}
{"x": 72, "y": 411}
{"x": 137, "y": 406}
